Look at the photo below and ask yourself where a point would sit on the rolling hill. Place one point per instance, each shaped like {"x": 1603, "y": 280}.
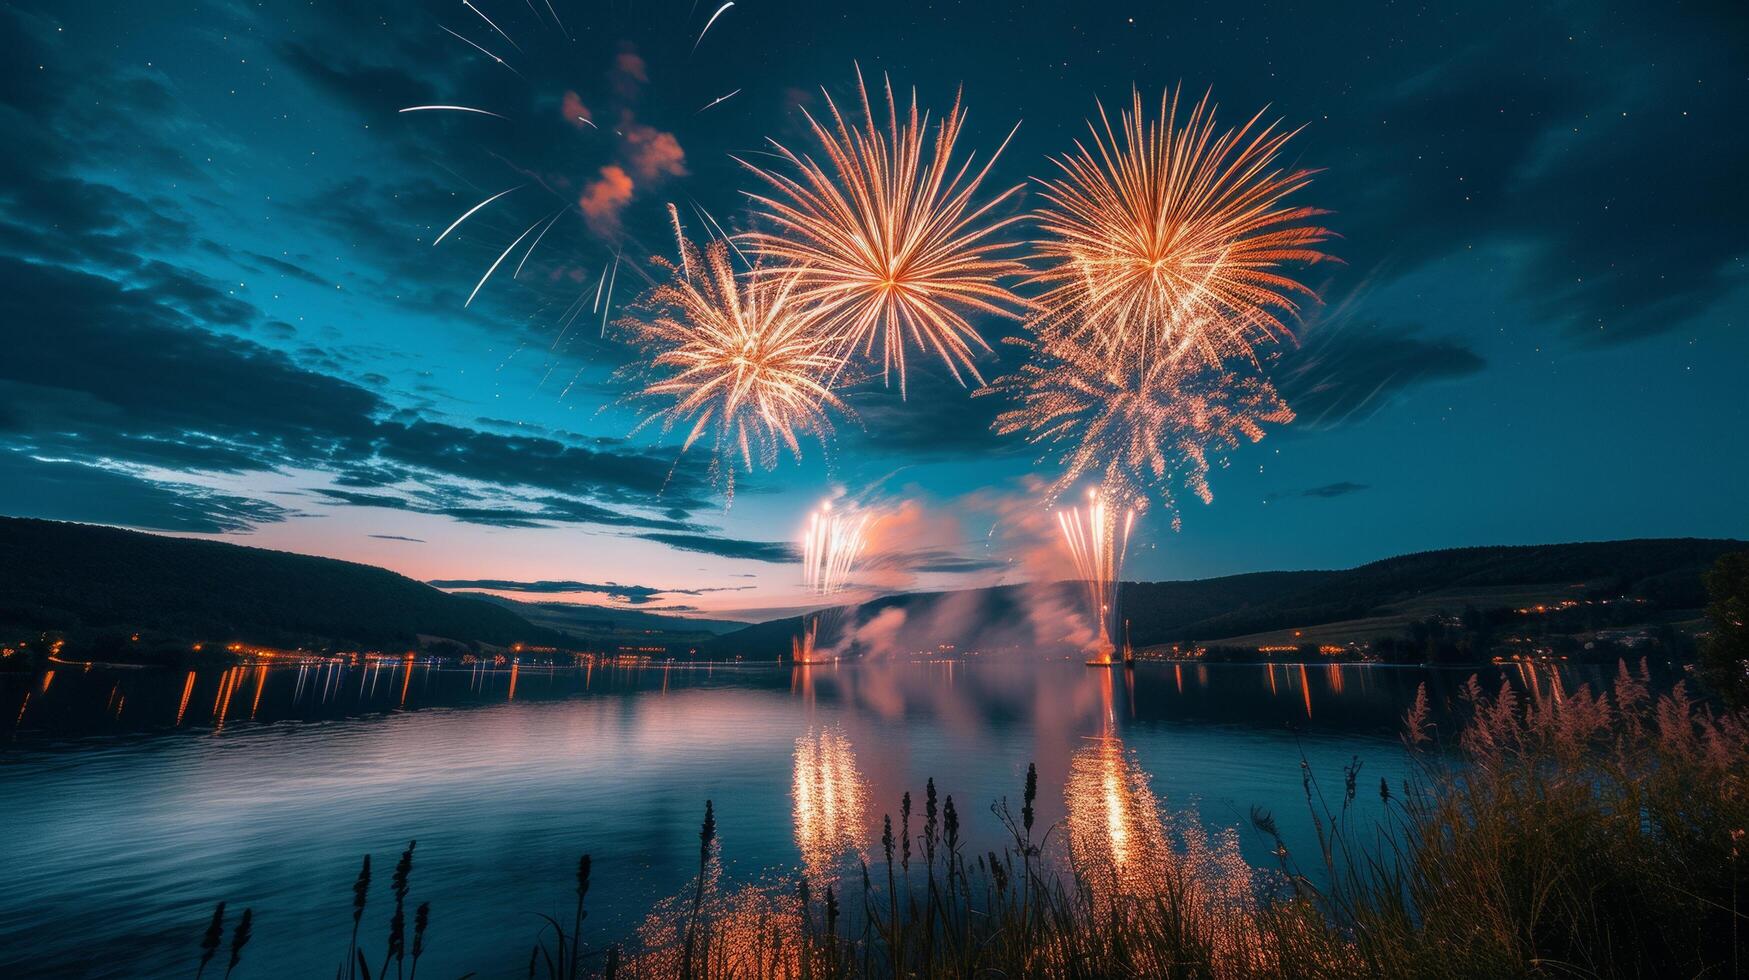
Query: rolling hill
{"x": 86, "y": 579}
{"x": 1383, "y": 594}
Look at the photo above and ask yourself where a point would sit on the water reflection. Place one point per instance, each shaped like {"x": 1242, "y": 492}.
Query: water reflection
{"x": 741, "y": 931}
{"x": 831, "y": 801}
{"x": 1116, "y": 838}
{"x": 967, "y": 695}
{"x": 1132, "y": 852}
{"x": 269, "y": 800}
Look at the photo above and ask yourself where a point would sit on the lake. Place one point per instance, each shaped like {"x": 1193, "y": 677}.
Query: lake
{"x": 135, "y": 799}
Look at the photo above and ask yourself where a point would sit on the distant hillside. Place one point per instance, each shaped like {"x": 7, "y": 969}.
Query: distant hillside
{"x": 83, "y": 578}
{"x": 1665, "y": 571}
{"x": 89, "y": 580}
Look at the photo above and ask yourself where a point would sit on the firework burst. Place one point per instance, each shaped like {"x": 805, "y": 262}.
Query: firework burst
{"x": 736, "y": 359}
{"x": 1139, "y": 428}
{"x": 889, "y": 248}
{"x": 1170, "y": 238}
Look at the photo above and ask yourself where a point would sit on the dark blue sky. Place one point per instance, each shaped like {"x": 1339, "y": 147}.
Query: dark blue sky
{"x": 223, "y": 313}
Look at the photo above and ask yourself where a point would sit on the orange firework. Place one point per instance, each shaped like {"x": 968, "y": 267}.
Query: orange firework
{"x": 1173, "y": 239}
{"x": 886, "y": 246}
{"x": 1138, "y": 427}
{"x": 738, "y": 359}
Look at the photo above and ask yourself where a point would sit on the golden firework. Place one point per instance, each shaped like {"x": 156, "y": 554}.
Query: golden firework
{"x": 736, "y": 358}
{"x": 1138, "y": 428}
{"x": 888, "y": 247}
{"x": 1098, "y": 538}
{"x": 831, "y": 545}
{"x": 1172, "y": 239}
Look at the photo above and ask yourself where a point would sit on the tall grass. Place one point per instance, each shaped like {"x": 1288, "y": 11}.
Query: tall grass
{"x": 1581, "y": 834}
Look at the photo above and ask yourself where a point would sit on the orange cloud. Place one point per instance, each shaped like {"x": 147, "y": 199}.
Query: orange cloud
{"x": 604, "y": 199}
{"x": 653, "y": 153}
{"x": 629, "y": 73}
{"x": 574, "y": 110}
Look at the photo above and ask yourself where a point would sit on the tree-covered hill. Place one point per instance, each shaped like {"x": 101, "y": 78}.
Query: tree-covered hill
{"x": 85, "y": 580}
{"x": 1665, "y": 571}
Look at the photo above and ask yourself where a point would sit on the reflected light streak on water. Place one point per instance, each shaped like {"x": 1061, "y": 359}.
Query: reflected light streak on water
{"x": 831, "y": 802}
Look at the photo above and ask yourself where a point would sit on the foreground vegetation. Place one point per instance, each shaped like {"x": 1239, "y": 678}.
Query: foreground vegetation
{"x": 1579, "y": 833}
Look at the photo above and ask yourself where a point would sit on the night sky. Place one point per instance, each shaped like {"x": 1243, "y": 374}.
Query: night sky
{"x": 223, "y": 313}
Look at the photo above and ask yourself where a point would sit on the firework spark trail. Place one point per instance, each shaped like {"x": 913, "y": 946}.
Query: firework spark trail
{"x": 569, "y": 317}
{"x": 483, "y": 51}
{"x": 470, "y": 212}
{"x": 556, "y": 20}
{"x": 708, "y": 23}
{"x": 449, "y": 108}
{"x": 536, "y": 243}
{"x": 719, "y": 233}
{"x": 734, "y": 358}
{"x": 489, "y": 23}
{"x": 498, "y": 262}
{"x": 831, "y": 546}
{"x": 1172, "y": 238}
{"x": 886, "y": 245}
{"x": 1097, "y": 540}
{"x": 719, "y": 100}
{"x": 1138, "y": 428}
{"x": 601, "y": 284}
{"x": 610, "y": 283}
{"x": 680, "y": 236}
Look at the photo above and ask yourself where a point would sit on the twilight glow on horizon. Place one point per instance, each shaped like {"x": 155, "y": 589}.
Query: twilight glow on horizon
{"x": 381, "y": 282}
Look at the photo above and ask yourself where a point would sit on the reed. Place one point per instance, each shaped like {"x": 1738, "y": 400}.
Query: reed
{"x": 360, "y": 894}
{"x": 210, "y": 940}
{"x": 240, "y": 939}
{"x": 396, "y": 947}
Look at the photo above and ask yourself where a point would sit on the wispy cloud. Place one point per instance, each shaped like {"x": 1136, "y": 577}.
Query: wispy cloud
{"x": 766, "y": 551}
{"x": 1325, "y": 492}
{"x": 635, "y": 595}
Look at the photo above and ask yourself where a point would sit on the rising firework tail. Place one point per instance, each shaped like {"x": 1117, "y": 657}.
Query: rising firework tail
{"x": 1097, "y": 538}
{"x": 831, "y": 545}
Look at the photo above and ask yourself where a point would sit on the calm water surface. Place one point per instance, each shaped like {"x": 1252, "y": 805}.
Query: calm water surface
{"x": 135, "y": 799}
